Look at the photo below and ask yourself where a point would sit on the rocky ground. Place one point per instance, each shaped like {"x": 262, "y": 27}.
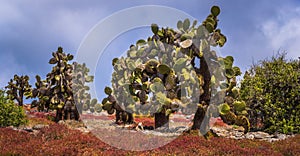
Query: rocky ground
{"x": 237, "y": 133}
{"x": 178, "y": 124}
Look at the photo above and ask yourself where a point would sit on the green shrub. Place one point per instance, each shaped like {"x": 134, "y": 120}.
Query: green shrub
{"x": 272, "y": 91}
{"x": 10, "y": 113}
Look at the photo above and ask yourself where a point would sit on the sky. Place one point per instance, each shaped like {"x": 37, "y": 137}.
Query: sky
{"x": 30, "y": 30}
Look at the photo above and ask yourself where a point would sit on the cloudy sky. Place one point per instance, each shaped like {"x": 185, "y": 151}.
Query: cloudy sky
{"x": 30, "y": 30}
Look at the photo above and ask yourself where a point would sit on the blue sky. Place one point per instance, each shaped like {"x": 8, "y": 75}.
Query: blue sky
{"x": 30, "y": 30}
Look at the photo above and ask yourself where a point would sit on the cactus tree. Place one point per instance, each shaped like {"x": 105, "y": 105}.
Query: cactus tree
{"x": 60, "y": 84}
{"x": 43, "y": 93}
{"x": 64, "y": 89}
{"x": 56, "y": 91}
{"x": 160, "y": 75}
{"x": 18, "y": 87}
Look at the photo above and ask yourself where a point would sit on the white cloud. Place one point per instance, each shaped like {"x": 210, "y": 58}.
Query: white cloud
{"x": 282, "y": 32}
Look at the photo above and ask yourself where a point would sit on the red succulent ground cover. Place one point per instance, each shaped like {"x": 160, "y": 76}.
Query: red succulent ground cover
{"x": 59, "y": 140}
{"x": 145, "y": 121}
{"x": 46, "y": 115}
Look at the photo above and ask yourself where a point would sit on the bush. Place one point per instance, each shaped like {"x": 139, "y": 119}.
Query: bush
{"x": 272, "y": 91}
{"x": 10, "y": 113}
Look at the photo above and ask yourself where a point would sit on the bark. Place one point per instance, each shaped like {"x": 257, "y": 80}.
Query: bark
{"x": 59, "y": 115}
{"x": 118, "y": 116}
{"x": 124, "y": 117}
{"x": 205, "y": 97}
{"x": 198, "y": 119}
{"x": 161, "y": 120}
{"x": 130, "y": 118}
{"x": 21, "y": 93}
{"x": 67, "y": 113}
{"x": 71, "y": 113}
{"x": 204, "y": 71}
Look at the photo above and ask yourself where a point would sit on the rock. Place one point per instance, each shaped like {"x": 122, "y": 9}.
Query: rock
{"x": 162, "y": 129}
{"x": 188, "y": 116}
{"x": 280, "y": 136}
{"x": 249, "y": 136}
{"x": 139, "y": 127}
{"x": 83, "y": 130}
{"x": 270, "y": 139}
{"x": 13, "y": 128}
{"x": 240, "y": 129}
{"x": 28, "y": 129}
{"x": 222, "y": 134}
{"x": 261, "y": 135}
{"x": 219, "y": 130}
{"x": 232, "y": 137}
{"x": 61, "y": 122}
{"x": 181, "y": 129}
{"x": 160, "y": 133}
{"x": 39, "y": 126}
{"x": 22, "y": 126}
{"x": 237, "y": 133}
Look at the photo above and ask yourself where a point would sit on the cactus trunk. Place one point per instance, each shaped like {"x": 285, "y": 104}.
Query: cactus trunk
{"x": 205, "y": 97}
{"x": 161, "y": 120}
{"x": 199, "y": 116}
{"x": 124, "y": 117}
{"x": 59, "y": 115}
{"x": 20, "y": 99}
{"x": 204, "y": 70}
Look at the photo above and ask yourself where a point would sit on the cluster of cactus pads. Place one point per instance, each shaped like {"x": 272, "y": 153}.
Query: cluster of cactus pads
{"x": 82, "y": 97}
{"x": 63, "y": 89}
{"x": 233, "y": 110}
{"x": 161, "y": 75}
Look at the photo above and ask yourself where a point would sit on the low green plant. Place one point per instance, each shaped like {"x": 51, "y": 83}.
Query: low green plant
{"x": 10, "y": 113}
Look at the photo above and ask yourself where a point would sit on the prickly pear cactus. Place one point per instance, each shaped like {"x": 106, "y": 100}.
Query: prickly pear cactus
{"x": 56, "y": 91}
{"x": 111, "y": 105}
{"x": 82, "y": 98}
{"x": 43, "y": 93}
{"x": 60, "y": 83}
{"x": 155, "y": 75}
{"x": 17, "y": 88}
{"x": 161, "y": 75}
{"x": 233, "y": 110}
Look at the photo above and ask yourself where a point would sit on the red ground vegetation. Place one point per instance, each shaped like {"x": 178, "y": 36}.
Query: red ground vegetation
{"x": 59, "y": 140}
